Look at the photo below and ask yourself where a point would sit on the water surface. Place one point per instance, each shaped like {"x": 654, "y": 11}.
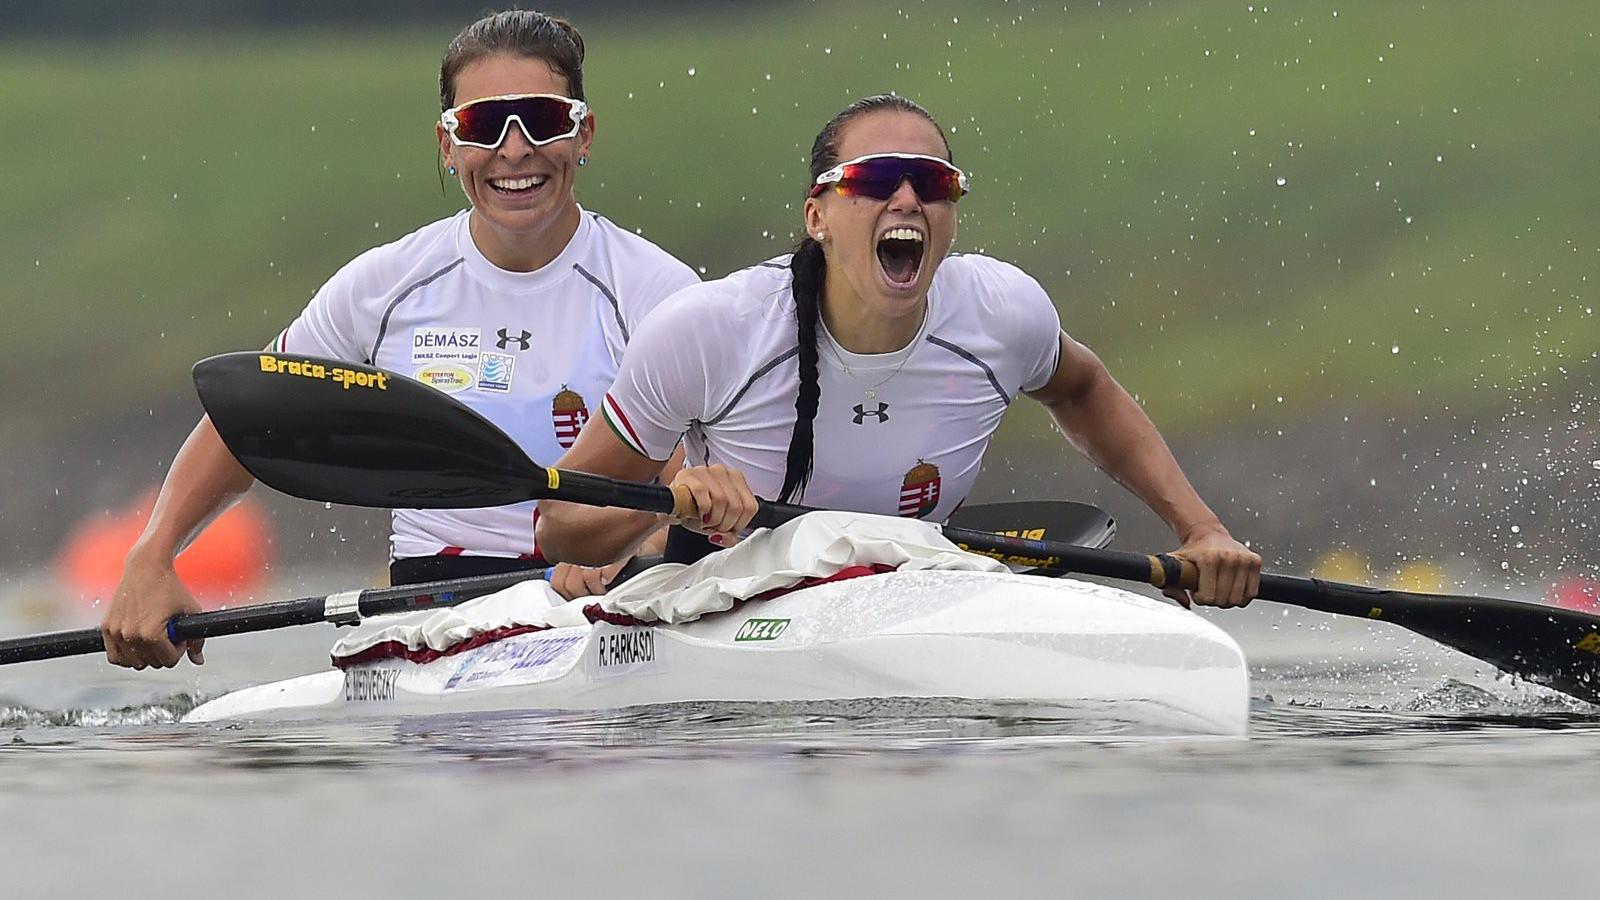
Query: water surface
{"x": 1378, "y": 764}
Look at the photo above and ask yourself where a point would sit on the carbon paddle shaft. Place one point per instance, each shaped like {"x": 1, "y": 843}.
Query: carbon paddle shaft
{"x": 329, "y": 430}
{"x": 1548, "y": 645}
{"x": 597, "y": 490}
{"x": 343, "y": 608}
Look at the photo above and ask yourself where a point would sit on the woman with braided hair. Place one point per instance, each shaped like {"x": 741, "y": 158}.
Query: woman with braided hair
{"x": 867, "y": 371}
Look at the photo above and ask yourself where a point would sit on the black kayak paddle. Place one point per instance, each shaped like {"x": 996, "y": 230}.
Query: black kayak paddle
{"x": 1062, "y": 520}
{"x": 334, "y": 431}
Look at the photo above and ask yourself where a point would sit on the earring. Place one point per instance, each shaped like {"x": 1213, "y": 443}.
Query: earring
{"x": 583, "y": 160}
{"x": 451, "y": 170}
{"x": 822, "y": 236}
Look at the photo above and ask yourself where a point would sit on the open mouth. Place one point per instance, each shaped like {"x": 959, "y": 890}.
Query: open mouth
{"x": 520, "y": 186}
{"x": 900, "y": 256}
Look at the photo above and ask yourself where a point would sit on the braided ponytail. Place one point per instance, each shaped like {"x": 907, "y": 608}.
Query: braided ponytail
{"x": 808, "y": 267}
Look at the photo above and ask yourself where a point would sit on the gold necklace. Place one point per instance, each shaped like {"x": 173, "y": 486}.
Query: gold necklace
{"x": 871, "y": 392}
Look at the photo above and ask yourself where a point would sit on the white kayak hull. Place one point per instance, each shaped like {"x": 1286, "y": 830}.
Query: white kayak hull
{"x": 1061, "y": 648}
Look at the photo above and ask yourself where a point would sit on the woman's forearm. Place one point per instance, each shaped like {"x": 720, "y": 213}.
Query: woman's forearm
{"x": 589, "y": 535}
{"x": 205, "y": 480}
{"x": 1108, "y": 426}
{"x": 597, "y": 536}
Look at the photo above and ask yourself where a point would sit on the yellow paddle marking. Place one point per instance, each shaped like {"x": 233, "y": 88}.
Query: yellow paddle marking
{"x": 1158, "y": 573}
{"x": 338, "y": 374}
{"x": 1590, "y": 643}
{"x": 1375, "y": 613}
{"x": 1012, "y": 558}
{"x": 554, "y": 474}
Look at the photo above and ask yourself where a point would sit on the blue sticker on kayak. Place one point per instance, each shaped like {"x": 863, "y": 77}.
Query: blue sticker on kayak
{"x": 524, "y": 654}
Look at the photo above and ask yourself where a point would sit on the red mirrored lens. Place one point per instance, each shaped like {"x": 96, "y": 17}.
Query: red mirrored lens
{"x": 880, "y": 178}
{"x": 543, "y": 118}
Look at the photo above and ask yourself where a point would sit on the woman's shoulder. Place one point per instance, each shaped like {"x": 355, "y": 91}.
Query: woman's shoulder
{"x": 996, "y": 284}
{"x": 760, "y": 291}
{"x": 425, "y": 251}
{"x": 990, "y": 272}
{"x": 710, "y": 338}
{"x": 740, "y": 311}
{"x": 1004, "y": 316}
{"x": 996, "y": 297}
{"x": 764, "y": 284}
{"x": 632, "y": 248}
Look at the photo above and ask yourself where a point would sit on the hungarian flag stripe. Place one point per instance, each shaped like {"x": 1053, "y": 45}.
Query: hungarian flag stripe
{"x": 619, "y": 424}
{"x": 568, "y": 424}
{"x": 917, "y": 499}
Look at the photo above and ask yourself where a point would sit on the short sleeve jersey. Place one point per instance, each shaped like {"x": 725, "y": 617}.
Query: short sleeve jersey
{"x": 895, "y": 433}
{"x": 534, "y": 352}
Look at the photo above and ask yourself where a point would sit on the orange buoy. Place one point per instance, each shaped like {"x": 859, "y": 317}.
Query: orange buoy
{"x": 224, "y": 565}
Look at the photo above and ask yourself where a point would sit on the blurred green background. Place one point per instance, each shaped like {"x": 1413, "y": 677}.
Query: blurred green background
{"x": 1325, "y": 244}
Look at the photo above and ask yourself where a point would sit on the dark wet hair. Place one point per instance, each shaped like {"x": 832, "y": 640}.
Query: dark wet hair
{"x": 808, "y": 266}
{"x": 515, "y": 32}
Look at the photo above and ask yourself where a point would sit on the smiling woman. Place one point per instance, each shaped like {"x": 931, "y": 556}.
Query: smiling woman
{"x": 519, "y": 180}
{"x": 866, "y": 371}
{"x": 519, "y": 305}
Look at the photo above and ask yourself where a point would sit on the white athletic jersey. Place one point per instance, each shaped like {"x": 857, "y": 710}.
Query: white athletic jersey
{"x": 531, "y": 351}
{"x": 895, "y": 433}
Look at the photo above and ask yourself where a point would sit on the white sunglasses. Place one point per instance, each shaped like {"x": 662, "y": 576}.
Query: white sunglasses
{"x": 485, "y": 122}
{"x": 878, "y": 175}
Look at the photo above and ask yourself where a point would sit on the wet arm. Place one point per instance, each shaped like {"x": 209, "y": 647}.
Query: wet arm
{"x": 204, "y": 481}
{"x": 1104, "y": 422}
{"x": 592, "y": 535}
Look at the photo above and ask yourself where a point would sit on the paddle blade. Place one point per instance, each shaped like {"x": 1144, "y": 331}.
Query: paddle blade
{"x": 325, "y": 429}
{"x": 1548, "y": 645}
{"x": 1041, "y": 520}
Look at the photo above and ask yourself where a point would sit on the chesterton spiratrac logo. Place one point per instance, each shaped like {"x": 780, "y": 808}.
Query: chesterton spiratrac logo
{"x": 447, "y": 377}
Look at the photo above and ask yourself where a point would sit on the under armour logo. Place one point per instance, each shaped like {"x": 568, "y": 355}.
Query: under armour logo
{"x": 521, "y": 342}
{"x": 882, "y": 412}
